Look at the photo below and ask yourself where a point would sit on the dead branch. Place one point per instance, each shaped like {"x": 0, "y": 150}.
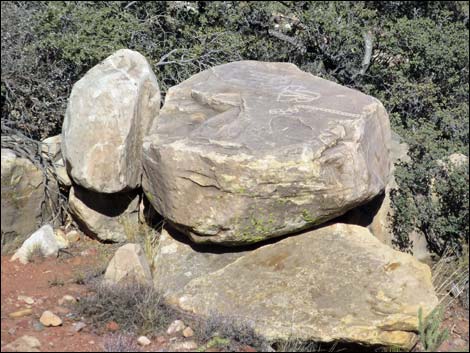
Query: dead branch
{"x": 54, "y": 204}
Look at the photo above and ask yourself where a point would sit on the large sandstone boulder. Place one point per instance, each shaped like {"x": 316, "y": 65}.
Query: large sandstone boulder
{"x": 103, "y": 216}
{"x": 337, "y": 282}
{"x": 108, "y": 112}
{"x": 252, "y": 150}
{"x": 22, "y": 196}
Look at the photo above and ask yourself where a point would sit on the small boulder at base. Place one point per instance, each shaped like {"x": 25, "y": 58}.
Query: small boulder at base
{"x": 104, "y": 216}
{"x": 128, "y": 263}
{"x": 337, "y": 282}
{"x": 23, "y": 344}
{"x": 251, "y": 150}
{"x": 108, "y": 112}
{"x": 43, "y": 240}
{"x": 22, "y": 196}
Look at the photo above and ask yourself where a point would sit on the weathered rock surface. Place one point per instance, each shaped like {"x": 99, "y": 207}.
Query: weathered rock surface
{"x": 178, "y": 262}
{"x": 51, "y": 147}
{"x": 23, "y": 344}
{"x": 252, "y": 150}
{"x": 108, "y": 112}
{"x": 337, "y": 282}
{"x": 22, "y": 195}
{"x": 377, "y": 214}
{"x": 43, "y": 239}
{"x": 129, "y": 262}
{"x": 104, "y": 216}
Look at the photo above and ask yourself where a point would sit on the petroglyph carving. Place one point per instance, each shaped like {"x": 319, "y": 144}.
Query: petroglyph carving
{"x": 297, "y": 94}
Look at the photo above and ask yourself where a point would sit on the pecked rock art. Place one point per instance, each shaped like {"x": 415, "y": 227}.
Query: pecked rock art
{"x": 252, "y": 150}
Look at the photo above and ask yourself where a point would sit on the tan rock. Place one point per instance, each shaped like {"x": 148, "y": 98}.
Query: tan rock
{"x": 22, "y": 195}
{"x": 337, "y": 282}
{"x": 177, "y": 263}
{"x": 143, "y": 341}
{"x": 251, "y": 150}
{"x": 175, "y": 327}
{"x": 104, "y": 216}
{"x": 128, "y": 263}
{"x": 26, "y": 299}
{"x": 105, "y": 122}
{"x": 377, "y": 214}
{"x": 23, "y": 344}
{"x": 183, "y": 346}
{"x": 20, "y": 313}
{"x": 73, "y": 236}
{"x": 67, "y": 299}
{"x": 51, "y": 147}
{"x": 48, "y": 318}
{"x": 188, "y": 332}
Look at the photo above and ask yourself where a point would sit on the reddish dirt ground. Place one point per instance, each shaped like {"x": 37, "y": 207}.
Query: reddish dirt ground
{"x": 48, "y": 280}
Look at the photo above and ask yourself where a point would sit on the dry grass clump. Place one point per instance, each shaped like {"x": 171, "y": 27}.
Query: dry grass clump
{"x": 120, "y": 343}
{"x": 35, "y": 252}
{"x": 450, "y": 276}
{"x": 136, "y": 307}
{"x": 229, "y": 333}
{"x": 143, "y": 234}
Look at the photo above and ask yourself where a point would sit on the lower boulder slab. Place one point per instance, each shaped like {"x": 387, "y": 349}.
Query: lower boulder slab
{"x": 334, "y": 283}
{"x": 104, "y": 216}
{"x": 251, "y": 150}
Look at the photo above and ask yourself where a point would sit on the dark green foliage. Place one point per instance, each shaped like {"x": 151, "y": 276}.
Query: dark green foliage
{"x": 419, "y": 69}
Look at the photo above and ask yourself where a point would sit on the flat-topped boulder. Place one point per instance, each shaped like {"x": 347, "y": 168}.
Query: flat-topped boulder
{"x": 252, "y": 150}
{"x": 337, "y": 282}
{"x": 109, "y": 111}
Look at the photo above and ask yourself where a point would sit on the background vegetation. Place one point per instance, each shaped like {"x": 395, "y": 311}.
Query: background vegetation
{"x": 418, "y": 67}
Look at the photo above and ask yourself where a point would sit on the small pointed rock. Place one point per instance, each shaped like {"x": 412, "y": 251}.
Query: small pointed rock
{"x": 188, "y": 332}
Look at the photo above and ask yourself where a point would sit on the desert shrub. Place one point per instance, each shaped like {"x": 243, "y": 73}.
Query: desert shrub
{"x": 120, "y": 343}
{"x": 135, "y": 307}
{"x": 228, "y": 332}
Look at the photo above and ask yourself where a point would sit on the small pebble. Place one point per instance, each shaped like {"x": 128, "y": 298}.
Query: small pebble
{"x": 27, "y": 300}
{"x": 188, "y": 332}
{"x": 143, "y": 341}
